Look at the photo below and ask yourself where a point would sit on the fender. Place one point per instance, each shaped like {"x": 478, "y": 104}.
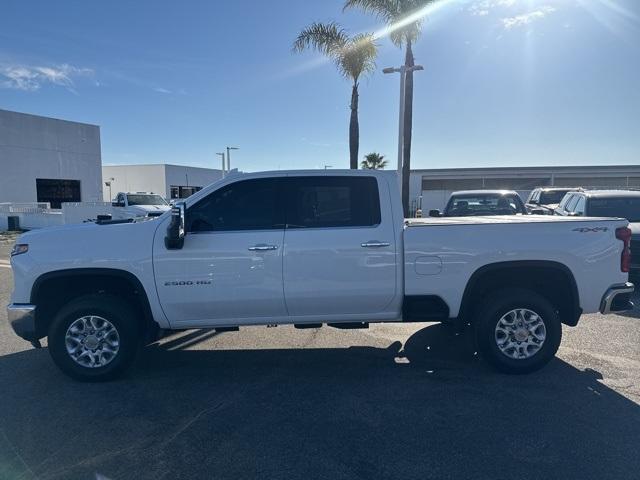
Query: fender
{"x": 574, "y": 303}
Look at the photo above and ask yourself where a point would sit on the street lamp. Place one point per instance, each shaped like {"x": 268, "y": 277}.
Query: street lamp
{"x": 403, "y": 75}
{"x": 229, "y": 157}
{"x": 108, "y": 184}
{"x": 223, "y": 164}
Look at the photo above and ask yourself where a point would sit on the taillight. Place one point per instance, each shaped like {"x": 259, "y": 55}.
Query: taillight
{"x": 624, "y": 234}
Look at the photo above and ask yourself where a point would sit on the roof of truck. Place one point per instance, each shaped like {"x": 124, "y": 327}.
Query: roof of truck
{"x": 612, "y": 193}
{"x": 483, "y": 192}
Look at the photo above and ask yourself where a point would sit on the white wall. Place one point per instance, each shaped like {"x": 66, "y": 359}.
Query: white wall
{"x": 134, "y": 178}
{"x": 189, "y": 176}
{"x": 39, "y": 147}
{"x": 157, "y": 178}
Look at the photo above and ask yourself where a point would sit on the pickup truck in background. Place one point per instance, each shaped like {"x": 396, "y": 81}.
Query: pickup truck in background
{"x": 312, "y": 248}
{"x": 138, "y": 204}
{"x": 546, "y": 199}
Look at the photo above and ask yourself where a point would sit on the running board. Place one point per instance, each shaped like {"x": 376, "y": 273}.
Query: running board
{"x": 303, "y": 326}
{"x": 227, "y": 329}
{"x": 349, "y": 325}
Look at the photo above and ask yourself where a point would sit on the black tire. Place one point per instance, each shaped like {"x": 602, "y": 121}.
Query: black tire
{"x": 111, "y": 308}
{"x": 499, "y": 304}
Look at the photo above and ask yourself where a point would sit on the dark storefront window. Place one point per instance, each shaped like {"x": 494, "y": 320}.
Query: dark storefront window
{"x": 57, "y": 191}
{"x": 183, "y": 192}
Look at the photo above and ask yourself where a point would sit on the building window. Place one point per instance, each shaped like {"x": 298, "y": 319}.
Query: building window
{"x": 178, "y": 191}
{"x": 57, "y": 191}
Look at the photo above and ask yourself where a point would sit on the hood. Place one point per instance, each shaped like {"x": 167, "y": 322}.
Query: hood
{"x": 149, "y": 208}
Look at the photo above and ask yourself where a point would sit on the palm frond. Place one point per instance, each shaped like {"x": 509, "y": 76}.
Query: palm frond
{"x": 385, "y": 10}
{"x": 393, "y": 12}
{"x": 354, "y": 56}
{"x": 358, "y": 56}
{"x": 326, "y": 38}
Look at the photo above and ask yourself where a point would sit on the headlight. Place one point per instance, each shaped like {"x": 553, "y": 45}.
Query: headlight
{"x": 19, "y": 248}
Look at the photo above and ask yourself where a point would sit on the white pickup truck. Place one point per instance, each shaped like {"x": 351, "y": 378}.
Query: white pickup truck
{"x": 310, "y": 248}
{"x": 138, "y": 204}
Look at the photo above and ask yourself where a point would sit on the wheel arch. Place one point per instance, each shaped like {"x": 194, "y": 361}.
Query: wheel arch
{"x": 52, "y": 290}
{"x": 561, "y": 287}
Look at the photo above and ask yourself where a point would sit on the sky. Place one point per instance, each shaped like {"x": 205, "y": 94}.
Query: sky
{"x": 505, "y": 82}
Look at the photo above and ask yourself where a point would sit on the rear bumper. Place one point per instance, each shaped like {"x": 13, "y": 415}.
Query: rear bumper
{"x": 22, "y": 319}
{"x": 617, "y": 298}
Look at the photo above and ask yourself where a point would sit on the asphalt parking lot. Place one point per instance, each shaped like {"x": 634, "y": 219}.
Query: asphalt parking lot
{"x": 405, "y": 401}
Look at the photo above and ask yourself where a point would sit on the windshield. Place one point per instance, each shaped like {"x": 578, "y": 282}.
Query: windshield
{"x": 552, "y": 196}
{"x": 628, "y": 208}
{"x": 144, "y": 199}
{"x": 489, "y": 204}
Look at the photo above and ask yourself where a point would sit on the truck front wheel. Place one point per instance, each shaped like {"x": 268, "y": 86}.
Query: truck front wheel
{"x": 94, "y": 338}
{"x": 518, "y": 330}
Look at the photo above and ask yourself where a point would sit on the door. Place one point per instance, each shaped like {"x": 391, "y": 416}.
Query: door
{"x": 230, "y": 267}
{"x": 340, "y": 251}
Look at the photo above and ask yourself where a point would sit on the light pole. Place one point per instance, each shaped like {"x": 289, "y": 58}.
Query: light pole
{"x": 403, "y": 75}
{"x": 108, "y": 184}
{"x": 223, "y": 164}
{"x": 229, "y": 157}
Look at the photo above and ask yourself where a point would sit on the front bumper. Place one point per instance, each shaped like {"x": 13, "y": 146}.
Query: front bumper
{"x": 22, "y": 318}
{"x": 617, "y": 298}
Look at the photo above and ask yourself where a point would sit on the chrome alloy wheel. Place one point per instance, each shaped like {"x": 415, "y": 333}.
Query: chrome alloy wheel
{"x": 92, "y": 341}
{"x": 520, "y": 333}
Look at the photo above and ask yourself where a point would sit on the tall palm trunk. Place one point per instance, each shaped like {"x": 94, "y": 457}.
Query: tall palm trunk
{"x": 354, "y": 129}
{"x": 408, "y": 124}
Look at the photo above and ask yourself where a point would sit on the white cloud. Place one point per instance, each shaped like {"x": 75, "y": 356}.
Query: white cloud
{"x": 527, "y": 18}
{"x": 32, "y": 77}
{"x": 161, "y": 90}
{"x": 483, "y": 7}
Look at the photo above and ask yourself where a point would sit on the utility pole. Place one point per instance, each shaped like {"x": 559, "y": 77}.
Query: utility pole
{"x": 229, "y": 157}
{"x": 223, "y": 164}
{"x": 403, "y": 77}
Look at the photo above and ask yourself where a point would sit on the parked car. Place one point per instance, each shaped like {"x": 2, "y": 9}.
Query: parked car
{"x": 608, "y": 203}
{"x": 482, "y": 202}
{"x": 546, "y": 199}
{"x": 322, "y": 248}
{"x": 139, "y": 204}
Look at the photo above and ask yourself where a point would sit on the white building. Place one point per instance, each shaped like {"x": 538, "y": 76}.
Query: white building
{"x": 170, "y": 181}
{"x": 435, "y": 186}
{"x": 48, "y": 160}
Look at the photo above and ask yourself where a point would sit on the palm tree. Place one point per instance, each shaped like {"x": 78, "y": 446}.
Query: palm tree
{"x": 354, "y": 57}
{"x": 373, "y": 161}
{"x": 392, "y": 12}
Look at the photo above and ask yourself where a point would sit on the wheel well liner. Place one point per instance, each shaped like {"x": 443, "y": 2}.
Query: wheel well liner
{"x": 560, "y": 288}
{"x": 52, "y": 290}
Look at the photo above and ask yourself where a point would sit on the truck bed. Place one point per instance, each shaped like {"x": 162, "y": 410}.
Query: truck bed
{"x": 452, "y": 249}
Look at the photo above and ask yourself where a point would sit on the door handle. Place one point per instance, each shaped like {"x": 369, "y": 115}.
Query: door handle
{"x": 263, "y": 247}
{"x": 374, "y": 244}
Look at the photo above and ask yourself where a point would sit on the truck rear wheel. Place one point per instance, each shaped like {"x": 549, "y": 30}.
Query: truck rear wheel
{"x": 518, "y": 330}
{"x": 94, "y": 338}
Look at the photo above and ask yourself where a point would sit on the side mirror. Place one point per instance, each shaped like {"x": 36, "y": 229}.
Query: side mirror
{"x": 435, "y": 213}
{"x": 117, "y": 204}
{"x": 174, "y": 239}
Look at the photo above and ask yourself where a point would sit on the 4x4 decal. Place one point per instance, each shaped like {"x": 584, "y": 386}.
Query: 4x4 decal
{"x": 591, "y": 229}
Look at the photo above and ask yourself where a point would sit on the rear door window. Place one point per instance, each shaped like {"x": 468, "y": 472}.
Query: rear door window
{"x": 330, "y": 202}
